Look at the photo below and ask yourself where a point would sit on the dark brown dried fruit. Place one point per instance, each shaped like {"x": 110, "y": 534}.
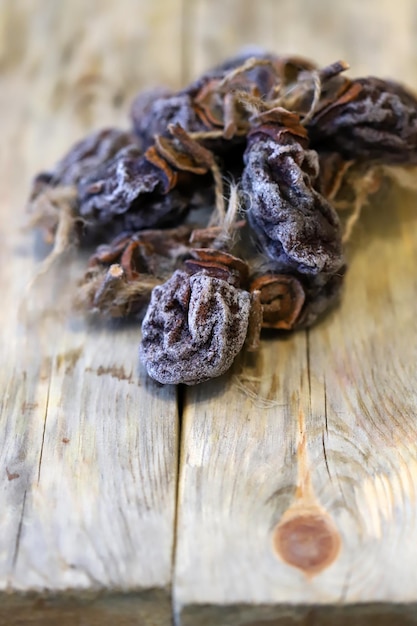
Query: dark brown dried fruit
{"x": 148, "y": 190}
{"x": 297, "y": 228}
{"x": 132, "y": 192}
{"x": 372, "y": 119}
{"x": 154, "y": 119}
{"x": 195, "y": 326}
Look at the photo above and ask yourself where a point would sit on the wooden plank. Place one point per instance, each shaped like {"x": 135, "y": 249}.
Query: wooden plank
{"x": 89, "y": 445}
{"x": 298, "y": 471}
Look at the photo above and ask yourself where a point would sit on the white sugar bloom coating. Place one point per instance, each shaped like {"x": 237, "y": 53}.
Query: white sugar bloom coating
{"x": 298, "y": 229}
{"x": 193, "y": 329}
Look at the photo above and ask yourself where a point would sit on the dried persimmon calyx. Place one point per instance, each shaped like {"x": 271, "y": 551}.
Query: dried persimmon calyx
{"x": 294, "y": 301}
{"x": 282, "y": 298}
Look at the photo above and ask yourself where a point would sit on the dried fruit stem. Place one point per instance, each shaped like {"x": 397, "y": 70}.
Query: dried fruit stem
{"x": 220, "y": 213}
{"x": 63, "y": 235}
{"x": 248, "y": 65}
{"x": 316, "y": 97}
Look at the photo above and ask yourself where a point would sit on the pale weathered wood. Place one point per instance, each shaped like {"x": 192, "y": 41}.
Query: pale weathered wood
{"x": 373, "y": 36}
{"x": 319, "y": 428}
{"x": 89, "y": 444}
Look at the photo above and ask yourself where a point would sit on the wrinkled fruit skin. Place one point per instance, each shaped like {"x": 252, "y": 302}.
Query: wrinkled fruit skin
{"x": 296, "y": 226}
{"x": 130, "y": 189}
{"x": 378, "y": 124}
{"x": 193, "y": 329}
{"x": 154, "y": 118}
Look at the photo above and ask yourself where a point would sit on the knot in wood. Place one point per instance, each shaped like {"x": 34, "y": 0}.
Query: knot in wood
{"x": 309, "y": 542}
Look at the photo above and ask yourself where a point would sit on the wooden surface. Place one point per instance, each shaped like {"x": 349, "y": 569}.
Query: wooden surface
{"x": 113, "y": 511}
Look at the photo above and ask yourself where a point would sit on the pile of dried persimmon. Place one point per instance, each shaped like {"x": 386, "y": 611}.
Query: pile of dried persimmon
{"x": 217, "y": 213}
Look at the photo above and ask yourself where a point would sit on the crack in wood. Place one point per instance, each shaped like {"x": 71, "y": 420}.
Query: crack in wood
{"x": 44, "y": 426}
{"x": 325, "y": 456}
{"x": 19, "y": 533}
{"x": 308, "y": 368}
{"x": 181, "y": 395}
{"x": 325, "y": 432}
{"x": 345, "y": 587}
{"x": 325, "y": 408}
